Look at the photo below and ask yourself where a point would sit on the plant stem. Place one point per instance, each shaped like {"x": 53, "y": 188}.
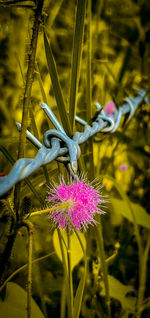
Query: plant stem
{"x": 29, "y": 227}
{"x": 8, "y": 248}
{"x": 142, "y": 279}
{"x": 70, "y": 291}
{"x": 11, "y": 236}
{"x": 103, "y": 264}
{"x": 80, "y": 290}
{"x": 63, "y": 296}
{"x": 145, "y": 305}
{"x": 27, "y": 92}
{"x": 29, "y": 77}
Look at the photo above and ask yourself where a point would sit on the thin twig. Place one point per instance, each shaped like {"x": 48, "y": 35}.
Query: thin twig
{"x": 27, "y": 92}
{"x": 29, "y": 227}
{"x": 104, "y": 265}
{"x": 143, "y": 279}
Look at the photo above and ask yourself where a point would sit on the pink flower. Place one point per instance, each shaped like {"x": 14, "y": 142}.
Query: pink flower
{"x": 84, "y": 203}
{"x": 123, "y": 167}
{"x": 109, "y": 108}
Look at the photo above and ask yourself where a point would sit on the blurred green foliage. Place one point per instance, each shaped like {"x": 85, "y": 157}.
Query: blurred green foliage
{"x": 120, "y": 64}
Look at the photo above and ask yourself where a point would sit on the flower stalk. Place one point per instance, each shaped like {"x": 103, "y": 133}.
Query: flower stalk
{"x": 48, "y": 210}
{"x": 79, "y": 293}
{"x": 70, "y": 287}
{"x": 63, "y": 296}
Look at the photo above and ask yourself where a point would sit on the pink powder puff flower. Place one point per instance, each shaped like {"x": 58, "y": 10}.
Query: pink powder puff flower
{"x": 84, "y": 203}
{"x": 123, "y": 167}
{"x": 109, "y": 108}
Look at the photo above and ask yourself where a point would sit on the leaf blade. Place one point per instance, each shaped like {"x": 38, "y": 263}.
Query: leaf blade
{"x": 56, "y": 86}
{"x": 78, "y": 297}
{"x": 76, "y": 57}
{"x": 142, "y": 217}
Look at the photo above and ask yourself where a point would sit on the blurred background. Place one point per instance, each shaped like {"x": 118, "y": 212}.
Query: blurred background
{"x": 120, "y": 65}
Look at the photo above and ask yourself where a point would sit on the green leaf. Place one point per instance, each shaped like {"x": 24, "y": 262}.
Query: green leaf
{"x": 138, "y": 150}
{"x": 56, "y": 86}
{"x": 119, "y": 291}
{"x": 76, "y": 251}
{"x": 131, "y": 211}
{"x": 89, "y": 90}
{"x": 121, "y": 207}
{"x": 15, "y": 303}
{"x": 38, "y": 75}
{"x": 13, "y": 2}
{"x": 78, "y": 297}
{"x": 124, "y": 64}
{"x": 76, "y": 57}
{"x": 7, "y": 155}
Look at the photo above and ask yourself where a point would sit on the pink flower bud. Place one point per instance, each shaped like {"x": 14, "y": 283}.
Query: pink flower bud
{"x": 109, "y": 108}
{"x": 123, "y": 167}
